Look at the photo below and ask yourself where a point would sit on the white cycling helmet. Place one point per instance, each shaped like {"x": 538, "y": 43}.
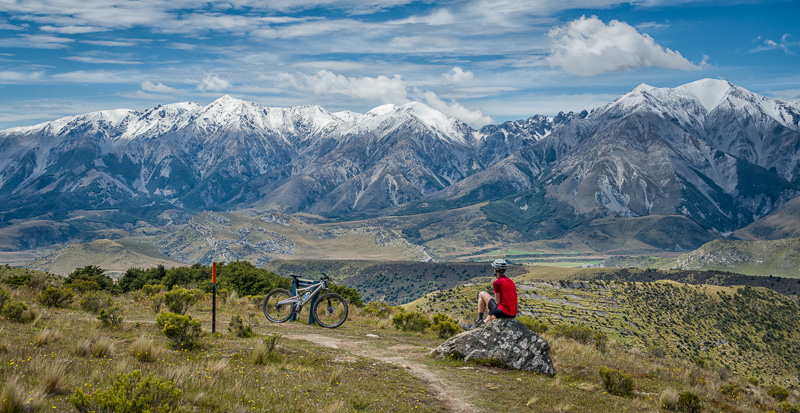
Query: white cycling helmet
{"x": 500, "y": 265}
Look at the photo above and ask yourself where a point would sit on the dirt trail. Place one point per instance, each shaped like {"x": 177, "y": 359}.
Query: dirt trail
{"x": 403, "y": 356}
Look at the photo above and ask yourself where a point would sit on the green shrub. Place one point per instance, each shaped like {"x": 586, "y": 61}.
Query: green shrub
{"x": 616, "y": 382}
{"x": 90, "y": 278}
{"x": 239, "y": 327}
{"x": 153, "y": 289}
{"x": 778, "y": 393}
{"x": 55, "y": 297}
{"x": 377, "y": 309}
{"x": 730, "y": 389}
{"x": 110, "y": 317}
{"x": 4, "y": 297}
{"x": 581, "y": 333}
{"x": 444, "y": 326}
{"x": 181, "y": 329}
{"x": 536, "y": 326}
{"x": 689, "y": 402}
{"x": 94, "y": 301}
{"x": 179, "y": 300}
{"x": 789, "y": 408}
{"x": 131, "y": 393}
{"x": 411, "y": 321}
{"x": 18, "y": 311}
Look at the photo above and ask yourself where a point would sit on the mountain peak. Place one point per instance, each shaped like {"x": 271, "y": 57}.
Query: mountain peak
{"x": 709, "y": 92}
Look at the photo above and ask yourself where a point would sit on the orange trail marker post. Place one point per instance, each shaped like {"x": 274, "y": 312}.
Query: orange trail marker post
{"x": 213, "y": 297}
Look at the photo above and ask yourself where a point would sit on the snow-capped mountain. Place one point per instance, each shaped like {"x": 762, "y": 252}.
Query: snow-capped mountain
{"x": 709, "y": 150}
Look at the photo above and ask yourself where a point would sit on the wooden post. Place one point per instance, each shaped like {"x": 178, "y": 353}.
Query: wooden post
{"x": 213, "y": 297}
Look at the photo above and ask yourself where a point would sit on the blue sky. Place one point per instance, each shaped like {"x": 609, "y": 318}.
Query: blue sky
{"x": 482, "y": 61}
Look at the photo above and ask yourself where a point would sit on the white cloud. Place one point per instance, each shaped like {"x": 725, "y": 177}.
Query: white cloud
{"x": 111, "y": 43}
{"x": 36, "y": 41}
{"x": 458, "y": 75}
{"x": 13, "y": 77}
{"x": 94, "y": 77}
{"x": 474, "y": 118}
{"x": 786, "y": 44}
{"x": 587, "y": 46}
{"x": 381, "y": 88}
{"x": 213, "y": 83}
{"x": 149, "y": 86}
{"x": 102, "y": 61}
{"x": 73, "y": 29}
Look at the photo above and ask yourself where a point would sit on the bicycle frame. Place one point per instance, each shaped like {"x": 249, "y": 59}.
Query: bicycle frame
{"x": 304, "y": 295}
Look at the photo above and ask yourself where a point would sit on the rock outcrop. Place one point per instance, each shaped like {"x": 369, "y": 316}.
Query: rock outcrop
{"x": 505, "y": 340}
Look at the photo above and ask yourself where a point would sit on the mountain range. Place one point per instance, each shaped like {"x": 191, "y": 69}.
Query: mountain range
{"x": 703, "y": 159}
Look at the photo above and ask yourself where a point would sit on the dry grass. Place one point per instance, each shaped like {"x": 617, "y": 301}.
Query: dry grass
{"x": 54, "y": 380}
{"x": 45, "y": 336}
{"x": 11, "y": 397}
{"x": 103, "y": 347}
{"x": 144, "y": 350}
{"x": 336, "y": 375}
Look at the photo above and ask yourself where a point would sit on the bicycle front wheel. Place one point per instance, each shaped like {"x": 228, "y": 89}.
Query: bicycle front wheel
{"x": 277, "y": 313}
{"x": 330, "y": 310}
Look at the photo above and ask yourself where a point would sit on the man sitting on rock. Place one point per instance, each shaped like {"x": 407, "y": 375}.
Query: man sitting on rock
{"x": 505, "y": 292}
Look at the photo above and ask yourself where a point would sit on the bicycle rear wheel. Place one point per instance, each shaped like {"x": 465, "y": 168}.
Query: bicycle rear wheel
{"x": 330, "y": 310}
{"x": 277, "y": 313}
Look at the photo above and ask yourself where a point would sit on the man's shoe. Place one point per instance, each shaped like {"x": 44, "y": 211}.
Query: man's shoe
{"x": 468, "y": 327}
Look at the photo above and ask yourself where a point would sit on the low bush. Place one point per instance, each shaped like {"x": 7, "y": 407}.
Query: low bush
{"x": 131, "y": 393}
{"x": 411, "y": 321}
{"x": 4, "y": 297}
{"x": 730, "y": 389}
{"x": 689, "y": 402}
{"x": 110, "y": 317}
{"x": 444, "y": 326}
{"x": 153, "y": 289}
{"x": 55, "y": 297}
{"x": 616, "y": 382}
{"x": 789, "y": 407}
{"x": 778, "y": 393}
{"x": 179, "y": 300}
{"x": 239, "y": 327}
{"x": 94, "y": 301}
{"x": 181, "y": 329}
{"x": 536, "y": 326}
{"x": 581, "y": 333}
{"x": 377, "y": 309}
{"x": 18, "y": 311}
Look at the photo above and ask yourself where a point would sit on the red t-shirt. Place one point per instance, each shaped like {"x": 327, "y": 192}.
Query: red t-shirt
{"x": 506, "y": 292}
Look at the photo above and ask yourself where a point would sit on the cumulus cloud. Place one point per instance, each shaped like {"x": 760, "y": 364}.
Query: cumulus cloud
{"x": 149, "y": 86}
{"x": 458, "y": 75}
{"x": 213, "y": 83}
{"x": 475, "y": 118}
{"x": 381, "y": 88}
{"x": 587, "y": 47}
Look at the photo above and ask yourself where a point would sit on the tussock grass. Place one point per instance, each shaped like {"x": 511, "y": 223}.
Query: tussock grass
{"x": 54, "y": 380}
{"x": 336, "y": 375}
{"x": 45, "y": 336}
{"x": 144, "y": 350}
{"x": 11, "y": 397}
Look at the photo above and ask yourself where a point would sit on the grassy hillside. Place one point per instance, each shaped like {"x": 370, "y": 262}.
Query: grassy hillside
{"x": 744, "y": 330}
{"x": 113, "y": 256}
{"x": 783, "y": 223}
{"x": 766, "y": 258}
{"x": 365, "y": 365}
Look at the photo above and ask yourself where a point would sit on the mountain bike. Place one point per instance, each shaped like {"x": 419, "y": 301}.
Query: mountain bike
{"x": 329, "y": 309}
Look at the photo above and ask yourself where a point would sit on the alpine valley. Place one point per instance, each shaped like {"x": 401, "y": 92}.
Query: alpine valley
{"x": 656, "y": 170}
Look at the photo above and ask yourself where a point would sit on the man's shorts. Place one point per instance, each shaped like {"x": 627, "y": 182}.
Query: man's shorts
{"x": 493, "y": 310}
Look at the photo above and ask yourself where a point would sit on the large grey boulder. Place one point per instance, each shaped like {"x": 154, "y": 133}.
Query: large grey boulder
{"x": 505, "y": 340}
